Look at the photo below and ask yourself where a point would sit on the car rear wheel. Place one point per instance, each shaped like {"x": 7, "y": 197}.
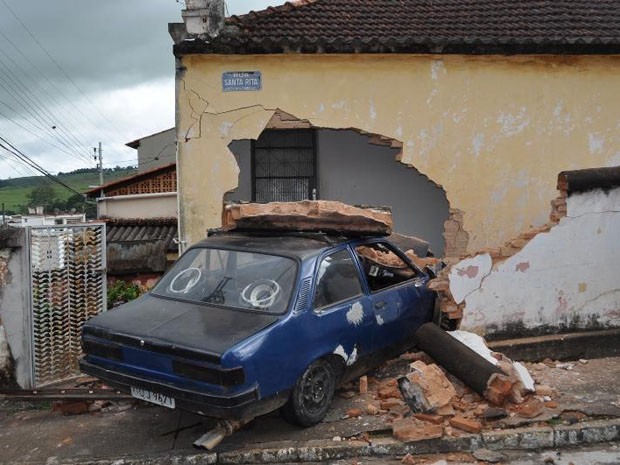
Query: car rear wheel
{"x": 312, "y": 395}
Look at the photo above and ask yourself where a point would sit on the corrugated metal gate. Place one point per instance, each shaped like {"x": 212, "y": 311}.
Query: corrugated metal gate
{"x": 68, "y": 286}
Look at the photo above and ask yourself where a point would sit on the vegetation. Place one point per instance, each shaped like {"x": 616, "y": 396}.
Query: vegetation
{"x": 120, "y": 292}
{"x": 18, "y": 194}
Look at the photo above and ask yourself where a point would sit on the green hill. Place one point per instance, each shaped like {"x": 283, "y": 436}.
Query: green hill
{"x": 14, "y": 192}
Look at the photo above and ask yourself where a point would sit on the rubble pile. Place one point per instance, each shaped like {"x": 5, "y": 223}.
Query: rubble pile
{"x": 426, "y": 401}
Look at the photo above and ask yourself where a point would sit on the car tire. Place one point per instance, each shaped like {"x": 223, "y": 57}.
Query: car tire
{"x": 312, "y": 395}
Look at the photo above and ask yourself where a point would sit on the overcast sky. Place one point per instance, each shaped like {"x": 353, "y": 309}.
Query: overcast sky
{"x": 73, "y": 74}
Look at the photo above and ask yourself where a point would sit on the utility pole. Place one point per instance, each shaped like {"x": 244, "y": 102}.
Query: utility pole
{"x": 99, "y": 160}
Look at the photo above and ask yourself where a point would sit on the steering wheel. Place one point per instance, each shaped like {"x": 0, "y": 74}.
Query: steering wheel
{"x": 261, "y": 294}
{"x": 193, "y": 275}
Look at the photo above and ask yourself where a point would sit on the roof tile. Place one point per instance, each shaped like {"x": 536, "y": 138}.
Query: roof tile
{"x": 309, "y": 25}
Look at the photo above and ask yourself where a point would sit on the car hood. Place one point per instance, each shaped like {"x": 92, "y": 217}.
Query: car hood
{"x": 177, "y": 325}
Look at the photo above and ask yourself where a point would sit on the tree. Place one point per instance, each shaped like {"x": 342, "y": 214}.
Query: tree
{"x": 44, "y": 195}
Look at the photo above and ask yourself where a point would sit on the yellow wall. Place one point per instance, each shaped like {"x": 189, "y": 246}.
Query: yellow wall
{"x": 493, "y": 131}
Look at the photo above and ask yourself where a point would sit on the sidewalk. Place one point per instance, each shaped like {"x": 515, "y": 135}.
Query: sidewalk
{"x": 585, "y": 408}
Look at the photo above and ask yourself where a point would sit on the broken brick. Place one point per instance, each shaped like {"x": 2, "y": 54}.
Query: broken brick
{"x": 410, "y": 429}
{"x": 68, "y": 407}
{"x": 471, "y": 426}
{"x": 408, "y": 460}
{"x": 363, "y": 385}
{"x": 354, "y": 412}
{"x": 552, "y": 404}
{"x": 499, "y": 387}
{"x": 433, "y": 390}
{"x": 372, "y": 409}
{"x": 387, "y": 404}
{"x": 530, "y": 410}
{"x": 389, "y": 392}
{"x": 436, "y": 419}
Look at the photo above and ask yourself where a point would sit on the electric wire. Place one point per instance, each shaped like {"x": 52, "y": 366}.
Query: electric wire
{"x": 30, "y": 131}
{"x": 25, "y": 158}
{"x": 57, "y": 90}
{"x": 26, "y": 76}
{"x": 66, "y": 75}
{"x": 30, "y": 108}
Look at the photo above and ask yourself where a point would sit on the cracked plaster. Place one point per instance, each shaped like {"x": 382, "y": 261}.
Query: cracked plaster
{"x": 570, "y": 280}
{"x": 374, "y": 93}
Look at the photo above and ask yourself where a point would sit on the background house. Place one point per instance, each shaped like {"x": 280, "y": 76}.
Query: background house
{"x": 459, "y": 114}
{"x": 155, "y": 150}
{"x": 140, "y": 213}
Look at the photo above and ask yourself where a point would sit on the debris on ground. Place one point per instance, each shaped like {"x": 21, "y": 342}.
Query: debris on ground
{"x": 422, "y": 396}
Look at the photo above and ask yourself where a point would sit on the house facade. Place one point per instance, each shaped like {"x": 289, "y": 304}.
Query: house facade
{"x": 459, "y": 115}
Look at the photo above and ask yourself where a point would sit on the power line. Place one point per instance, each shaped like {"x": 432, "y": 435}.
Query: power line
{"x": 25, "y": 158}
{"x": 30, "y": 107}
{"x": 60, "y": 67}
{"x": 8, "y": 118}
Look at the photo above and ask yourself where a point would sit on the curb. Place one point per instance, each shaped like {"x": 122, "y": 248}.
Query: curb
{"x": 531, "y": 438}
{"x": 566, "y": 346}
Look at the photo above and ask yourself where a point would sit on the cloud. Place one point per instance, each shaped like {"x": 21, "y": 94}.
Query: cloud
{"x": 109, "y": 76}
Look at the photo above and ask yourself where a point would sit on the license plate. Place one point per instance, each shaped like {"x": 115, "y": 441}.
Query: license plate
{"x": 152, "y": 397}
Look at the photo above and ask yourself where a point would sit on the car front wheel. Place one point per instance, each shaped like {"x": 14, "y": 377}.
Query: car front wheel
{"x": 312, "y": 395}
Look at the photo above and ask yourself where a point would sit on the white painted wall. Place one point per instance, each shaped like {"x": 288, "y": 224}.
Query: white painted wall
{"x": 567, "y": 278}
{"x": 160, "y": 205}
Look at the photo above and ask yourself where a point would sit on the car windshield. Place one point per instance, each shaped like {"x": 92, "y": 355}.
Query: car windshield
{"x": 229, "y": 278}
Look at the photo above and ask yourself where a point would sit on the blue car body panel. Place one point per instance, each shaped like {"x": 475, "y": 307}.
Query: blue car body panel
{"x": 234, "y": 363}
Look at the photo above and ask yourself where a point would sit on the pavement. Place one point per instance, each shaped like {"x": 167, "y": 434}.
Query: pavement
{"x": 582, "y": 407}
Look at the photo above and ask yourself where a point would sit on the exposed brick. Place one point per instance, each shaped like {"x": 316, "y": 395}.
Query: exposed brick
{"x": 388, "y": 392}
{"x": 471, "y": 426}
{"x": 388, "y": 404}
{"x": 363, "y": 385}
{"x": 429, "y": 417}
{"x": 530, "y": 410}
{"x": 410, "y": 429}
{"x": 354, "y": 412}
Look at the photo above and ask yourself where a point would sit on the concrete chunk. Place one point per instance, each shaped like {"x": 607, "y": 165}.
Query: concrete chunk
{"x": 308, "y": 215}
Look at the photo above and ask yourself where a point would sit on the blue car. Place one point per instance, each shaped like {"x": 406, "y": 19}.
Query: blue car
{"x": 247, "y": 323}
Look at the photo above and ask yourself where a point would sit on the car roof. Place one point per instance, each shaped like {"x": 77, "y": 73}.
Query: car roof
{"x": 301, "y": 245}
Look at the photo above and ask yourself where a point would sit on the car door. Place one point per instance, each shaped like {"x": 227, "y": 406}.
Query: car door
{"x": 399, "y": 300}
{"x": 342, "y": 312}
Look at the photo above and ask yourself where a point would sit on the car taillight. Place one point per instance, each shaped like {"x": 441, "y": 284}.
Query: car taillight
{"x": 102, "y": 349}
{"x": 209, "y": 375}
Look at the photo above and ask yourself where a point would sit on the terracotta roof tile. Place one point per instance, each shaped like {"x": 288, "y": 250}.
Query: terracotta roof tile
{"x": 534, "y": 26}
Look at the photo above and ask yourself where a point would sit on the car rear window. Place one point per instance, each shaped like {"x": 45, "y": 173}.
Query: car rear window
{"x": 242, "y": 280}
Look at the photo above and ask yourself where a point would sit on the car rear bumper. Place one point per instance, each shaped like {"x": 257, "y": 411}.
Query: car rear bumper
{"x": 240, "y": 406}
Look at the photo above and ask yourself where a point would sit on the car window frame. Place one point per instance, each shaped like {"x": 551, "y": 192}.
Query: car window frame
{"x": 362, "y": 282}
{"x": 394, "y": 249}
{"x": 294, "y": 290}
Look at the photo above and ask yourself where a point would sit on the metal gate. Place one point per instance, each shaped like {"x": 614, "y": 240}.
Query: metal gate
{"x": 68, "y": 286}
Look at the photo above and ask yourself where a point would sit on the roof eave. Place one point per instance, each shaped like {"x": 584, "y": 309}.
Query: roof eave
{"x": 467, "y": 46}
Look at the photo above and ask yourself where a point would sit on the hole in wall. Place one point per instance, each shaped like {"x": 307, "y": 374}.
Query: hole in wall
{"x": 292, "y": 160}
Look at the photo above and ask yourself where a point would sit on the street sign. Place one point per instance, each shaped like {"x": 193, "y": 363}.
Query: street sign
{"x": 241, "y": 81}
